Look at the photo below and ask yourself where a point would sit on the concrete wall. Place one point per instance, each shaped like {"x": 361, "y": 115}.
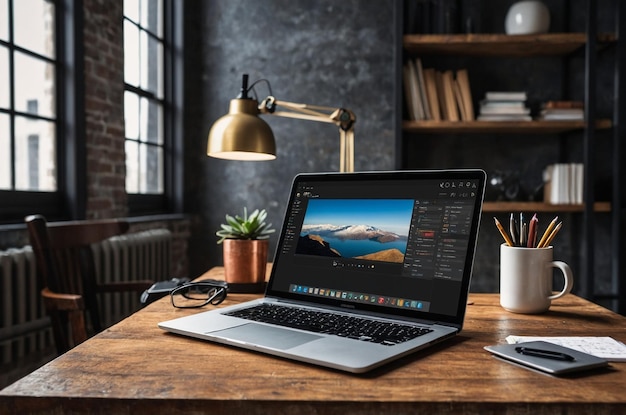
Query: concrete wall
{"x": 337, "y": 54}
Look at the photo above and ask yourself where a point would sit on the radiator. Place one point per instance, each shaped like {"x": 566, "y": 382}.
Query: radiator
{"x": 24, "y": 327}
{"x": 134, "y": 256}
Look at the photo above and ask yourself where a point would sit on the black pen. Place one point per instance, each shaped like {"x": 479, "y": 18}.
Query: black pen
{"x": 548, "y": 354}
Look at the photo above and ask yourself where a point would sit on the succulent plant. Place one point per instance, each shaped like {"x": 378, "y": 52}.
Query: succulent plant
{"x": 246, "y": 227}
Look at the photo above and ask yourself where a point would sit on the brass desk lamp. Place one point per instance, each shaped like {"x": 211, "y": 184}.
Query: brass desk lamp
{"x": 242, "y": 135}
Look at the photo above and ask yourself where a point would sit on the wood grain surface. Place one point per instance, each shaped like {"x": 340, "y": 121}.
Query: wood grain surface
{"x": 134, "y": 367}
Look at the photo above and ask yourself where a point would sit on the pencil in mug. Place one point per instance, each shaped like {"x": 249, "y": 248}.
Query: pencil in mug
{"x": 547, "y": 232}
{"x": 506, "y": 237}
{"x": 552, "y": 235}
{"x": 532, "y": 232}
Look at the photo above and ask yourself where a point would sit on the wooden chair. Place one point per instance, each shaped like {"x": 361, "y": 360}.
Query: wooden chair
{"x": 66, "y": 273}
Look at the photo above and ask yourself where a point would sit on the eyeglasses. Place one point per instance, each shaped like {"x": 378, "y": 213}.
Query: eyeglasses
{"x": 199, "y": 294}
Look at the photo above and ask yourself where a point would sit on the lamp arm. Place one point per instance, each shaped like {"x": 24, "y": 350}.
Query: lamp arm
{"x": 341, "y": 117}
{"x": 300, "y": 116}
{"x": 268, "y": 105}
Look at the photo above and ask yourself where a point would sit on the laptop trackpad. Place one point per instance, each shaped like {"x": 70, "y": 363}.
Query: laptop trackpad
{"x": 267, "y": 336}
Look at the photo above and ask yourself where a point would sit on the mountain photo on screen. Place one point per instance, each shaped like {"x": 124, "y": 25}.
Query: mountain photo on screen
{"x": 375, "y": 230}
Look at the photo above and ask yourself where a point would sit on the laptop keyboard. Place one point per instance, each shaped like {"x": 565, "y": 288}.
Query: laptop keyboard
{"x": 358, "y": 328}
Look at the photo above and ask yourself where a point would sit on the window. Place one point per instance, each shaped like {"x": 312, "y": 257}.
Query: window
{"x": 30, "y": 66}
{"x": 28, "y": 96}
{"x": 144, "y": 98}
{"x": 153, "y": 67}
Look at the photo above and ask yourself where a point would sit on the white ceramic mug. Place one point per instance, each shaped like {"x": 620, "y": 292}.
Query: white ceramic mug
{"x": 526, "y": 279}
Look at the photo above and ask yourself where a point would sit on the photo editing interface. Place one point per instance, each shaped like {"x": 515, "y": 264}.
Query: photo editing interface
{"x": 405, "y": 249}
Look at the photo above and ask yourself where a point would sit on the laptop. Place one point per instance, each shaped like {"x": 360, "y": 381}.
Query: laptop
{"x": 369, "y": 267}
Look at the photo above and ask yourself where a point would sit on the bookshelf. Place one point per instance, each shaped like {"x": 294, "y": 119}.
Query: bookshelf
{"x": 600, "y": 141}
{"x": 501, "y": 45}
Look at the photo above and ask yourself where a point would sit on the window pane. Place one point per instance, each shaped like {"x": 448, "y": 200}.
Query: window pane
{"x": 144, "y": 111}
{"x": 151, "y": 17}
{"x": 131, "y": 115}
{"x": 34, "y": 86}
{"x": 35, "y": 155}
{"x": 5, "y": 153}
{"x": 151, "y": 122}
{"x": 34, "y": 26}
{"x": 132, "y": 166}
{"x": 5, "y": 87}
{"x": 131, "y": 10}
{"x": 151, "y": 64}
{"x": 131, "y": 54}
{"x": 4, "y": 19}
{"x": 151, "y": 168}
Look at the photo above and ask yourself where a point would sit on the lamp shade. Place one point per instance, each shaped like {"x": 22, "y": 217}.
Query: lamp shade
{"x": 241, "y": 134}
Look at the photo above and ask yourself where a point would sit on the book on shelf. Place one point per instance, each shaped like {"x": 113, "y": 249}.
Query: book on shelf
{"x": 422, "y": 89}
{"x": 459, "y": 100}
{"x": 504, "y": 106}
{"x": 462, "y": 78}
{"x": 563, "y": 105}
{"x": 418, "y": 104}
{"x": 443, "y": 108}
{"x": 516, "y": 110}
{"x": 411, "y": 92}
{"x": 436, "y": 95}
{"x": 562, "y": 115}
{"x": 513, "y": 105}
{"x": 505, "y": 96}
{"x": 451, "y": 103}
{"x": 504, "y": 117}
{"x": 431, "y": 93}
{"x": 563, "y": 183}
{"x": 562, "y": 111}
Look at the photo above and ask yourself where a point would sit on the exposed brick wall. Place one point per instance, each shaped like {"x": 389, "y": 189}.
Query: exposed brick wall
{"x": 104, "y": 109}
{"x": 104, "y": 120}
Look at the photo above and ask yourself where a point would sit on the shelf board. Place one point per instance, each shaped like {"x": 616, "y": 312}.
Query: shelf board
{"x": 498, "y": 127}
{"x": 541, "y": 207}
{"x": 547, "y": 44}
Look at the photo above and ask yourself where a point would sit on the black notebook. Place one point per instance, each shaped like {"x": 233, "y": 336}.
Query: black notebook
{"x": 547, "y": 357}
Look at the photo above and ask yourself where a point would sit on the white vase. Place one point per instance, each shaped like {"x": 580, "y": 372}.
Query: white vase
{"x": 527, "y": 17}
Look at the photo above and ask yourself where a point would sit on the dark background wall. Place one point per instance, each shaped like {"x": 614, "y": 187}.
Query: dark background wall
{"x": 346, "y": 54}
{"x": 331, "y": 53}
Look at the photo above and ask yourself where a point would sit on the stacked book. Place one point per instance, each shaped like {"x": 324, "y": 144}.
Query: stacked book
{"x": 562, "y": 111}
{"x": 563, "y": 183}
{"x": 437, "y": 95}
{"x": 504, "y": 106}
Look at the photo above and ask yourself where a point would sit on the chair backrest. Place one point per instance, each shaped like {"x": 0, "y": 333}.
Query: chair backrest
{"x": 65, "y": 265}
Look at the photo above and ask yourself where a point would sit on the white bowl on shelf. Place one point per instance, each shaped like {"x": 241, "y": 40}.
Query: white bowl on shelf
{"x": 527, "y": 17}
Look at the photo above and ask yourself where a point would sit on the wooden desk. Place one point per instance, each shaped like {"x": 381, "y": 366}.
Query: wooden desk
{"x": 134, "y": 367}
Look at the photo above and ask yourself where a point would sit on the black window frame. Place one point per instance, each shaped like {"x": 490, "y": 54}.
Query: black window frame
{"x": 170, "y": 201}
{"x": 67, "y": 202}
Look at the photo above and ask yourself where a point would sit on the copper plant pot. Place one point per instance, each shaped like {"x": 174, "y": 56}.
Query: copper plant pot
{"x": 245, "y": 261}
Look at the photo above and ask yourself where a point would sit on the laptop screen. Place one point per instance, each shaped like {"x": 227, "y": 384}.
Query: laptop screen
{"x": 393, "y": 242}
